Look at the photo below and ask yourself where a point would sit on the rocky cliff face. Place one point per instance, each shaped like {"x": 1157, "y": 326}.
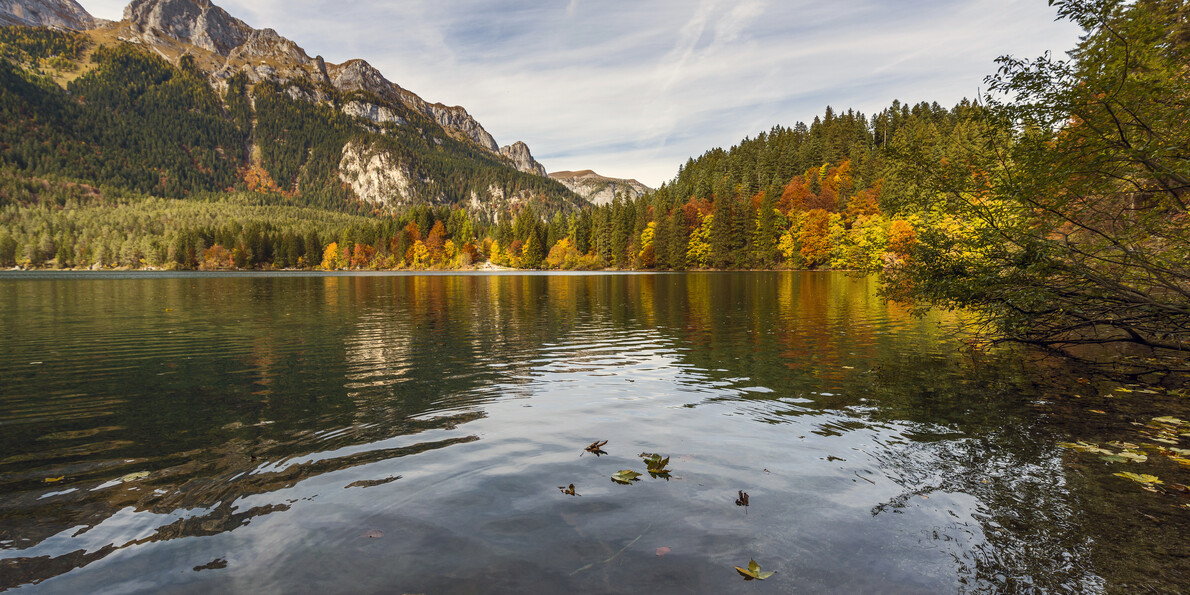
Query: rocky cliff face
{"x": 598, "y": 189}
{"x": 263, "y": 54}
{"x": 375, "y": 176}
{"x": 520, "y": 156}
{"x": 196, "y": 22}
{"x": 64, "y": 14}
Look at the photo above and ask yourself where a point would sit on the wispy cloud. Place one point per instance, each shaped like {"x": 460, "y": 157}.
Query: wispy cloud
{"x": 632, "y": 89}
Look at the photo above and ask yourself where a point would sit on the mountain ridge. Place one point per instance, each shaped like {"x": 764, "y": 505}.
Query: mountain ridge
{"x": 600, "y": 190}
{"x": 63, "y": 14}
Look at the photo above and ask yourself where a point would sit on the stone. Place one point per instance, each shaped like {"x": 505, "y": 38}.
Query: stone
{"x": 522, "y": 159}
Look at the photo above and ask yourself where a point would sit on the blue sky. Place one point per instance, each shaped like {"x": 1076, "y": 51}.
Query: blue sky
{"x": 632, "y": 88}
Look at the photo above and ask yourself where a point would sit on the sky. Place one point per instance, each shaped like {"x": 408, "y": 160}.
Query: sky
{"x": 633, "y": 88}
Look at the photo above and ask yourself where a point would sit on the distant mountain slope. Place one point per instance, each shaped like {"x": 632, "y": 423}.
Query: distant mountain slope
{"x": 329, "y": 134}
{"x": 598, "y": 189}
{"x": 64, "y": 14}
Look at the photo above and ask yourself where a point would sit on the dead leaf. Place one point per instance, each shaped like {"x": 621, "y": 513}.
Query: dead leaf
{"x": 596, "y": 448}
{"x": 753, "y": 572}
{"x": 569, "y": 491}
{"x": 655, "y": 464}
{"x": 625, "y": 477}
{"x": 743, "y": 499}
{"x": 216, "y": 564}
{"x": 661, "y": 551}
{"x": 54, "y": 479}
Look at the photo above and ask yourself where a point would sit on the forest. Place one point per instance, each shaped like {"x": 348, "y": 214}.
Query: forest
{"x": 1056, "y": 203}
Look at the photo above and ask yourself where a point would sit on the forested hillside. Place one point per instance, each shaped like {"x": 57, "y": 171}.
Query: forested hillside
{"x": 134, "y": 121}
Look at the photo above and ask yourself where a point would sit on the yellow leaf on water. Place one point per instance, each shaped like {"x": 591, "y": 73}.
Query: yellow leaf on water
{"x": 753, "y": 572}
{"x": 1141, "y": 478}
{"x": 134, "y": 476}
{"x": 1099, "y": 412}
{"x": 54, "y": 479}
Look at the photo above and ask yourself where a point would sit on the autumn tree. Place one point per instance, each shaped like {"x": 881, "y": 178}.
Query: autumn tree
{"x": 1074, "y": 190}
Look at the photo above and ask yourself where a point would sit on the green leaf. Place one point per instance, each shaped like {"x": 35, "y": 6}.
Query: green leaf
{"x": 625, "y": 477}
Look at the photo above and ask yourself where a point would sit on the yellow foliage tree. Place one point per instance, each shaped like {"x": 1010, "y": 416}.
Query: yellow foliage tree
{"x": 698, "y": 251}
{"x": 331, "y": 260}
{"x": 421, "y": 255}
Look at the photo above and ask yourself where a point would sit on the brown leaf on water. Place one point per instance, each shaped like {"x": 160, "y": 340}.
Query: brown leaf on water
{"x": 743, "y": 499}
{"x": 569, "y": 491}
{"x": 216, "y": 564}
{"x": 661, "y": 551}
{"x": 596, "y": 448}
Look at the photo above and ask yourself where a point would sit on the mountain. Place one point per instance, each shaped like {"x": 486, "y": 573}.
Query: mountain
{"x": 598, "y": 189}
{"x": 63, "y": 14}
{"x": 520, "y": 156}
{"x": 216, "y": 104}
{"x": 265, "y": 55}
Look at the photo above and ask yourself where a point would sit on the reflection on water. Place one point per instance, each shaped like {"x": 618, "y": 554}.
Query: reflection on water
{"x": 408, "y": 434}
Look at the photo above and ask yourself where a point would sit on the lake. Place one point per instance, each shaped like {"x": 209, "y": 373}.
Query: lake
{"x": 306, "y": 433}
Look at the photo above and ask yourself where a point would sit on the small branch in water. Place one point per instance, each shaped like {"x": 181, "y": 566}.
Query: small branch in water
{"x": 864, "y": 478}
{"x": 617, "y": 554}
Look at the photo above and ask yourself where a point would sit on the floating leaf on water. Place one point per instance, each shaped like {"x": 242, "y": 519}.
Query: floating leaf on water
{"x": 54, "y": 479}
{"x": 1114, "y": 459}
{"x": 655, "y": 464}
{"x": 625, "y": 477}
{"x": 1165, "y": 440}
{"x": 1081, "y": 446}
{"x": 569, "y": 491}
{"x": 1181, "y": 451}
{"x": 1180, "y": 461}
{"x": 1124, "y": 445}
{"x": 1099, "y": 412}
{"x": 216, "y": 564}
{"x": 753, "y": 572}
{"x": 743, "y": 499}
{"x": 1140, "y": 478}
{"x": 596, "y": 448}
{"x": 1134, "y": 456}
{"x": 1169, "y": 420}
{"x": 661, "y": 551}
{"x": 134, "y": 476}
{"x": 373, "y": 535}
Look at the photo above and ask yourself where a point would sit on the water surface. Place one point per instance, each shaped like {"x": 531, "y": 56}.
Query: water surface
{"x": 408, "y": 434}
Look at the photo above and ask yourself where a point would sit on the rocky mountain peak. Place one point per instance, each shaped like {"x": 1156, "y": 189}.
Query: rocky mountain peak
{"x": 600, "y": 190}
{"x": 358, "y": 75}
{"x": 520, "y": 156}
{"x": 266, "y": 43}
{"x": 197, "y": 22}
{"x": 63, "y": 14}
